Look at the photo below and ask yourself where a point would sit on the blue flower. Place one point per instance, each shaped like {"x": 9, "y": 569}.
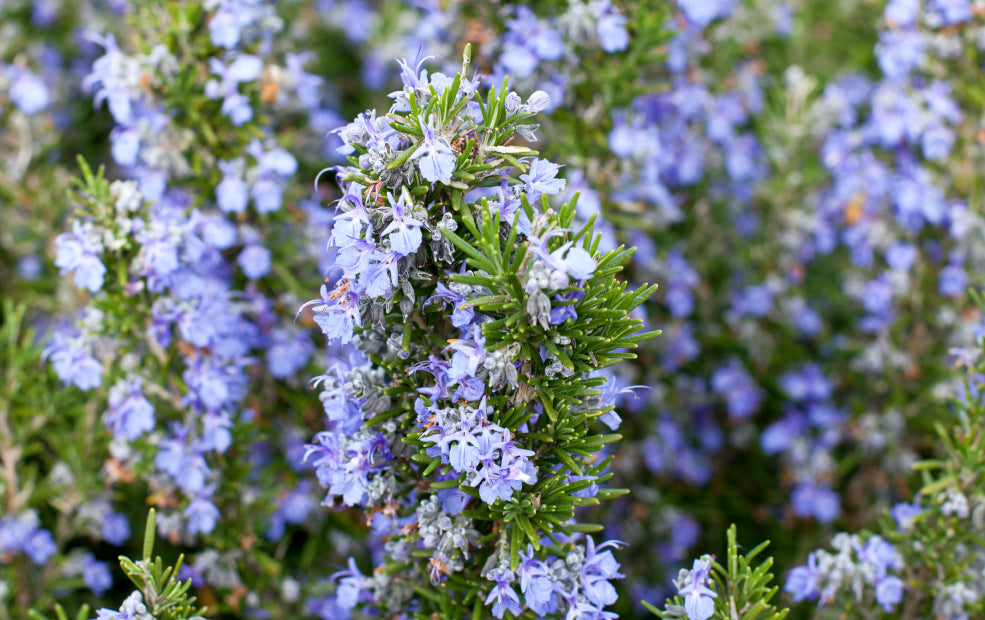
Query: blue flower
{"x": 437, "y": 159}
{"x": 273, "y": 168}
{"x": 232, "y": 193}
{"x": 502, "y": 596}
{"x": 597, "y": 570}
{"x": 950, "y": 12}
{"x": 337, "y": 313}
{"x": 461, "y": 316}
{"x": 536, "y": 584}
{"x": 115, "y": 528}
{"x": 902, "y": 13}
{"x": 703, "y": 12}
{"x": 27, "y": 91}
{"x": 900, "y": 51}
{"x": 540, "y": 178}
{"x": 953, "y": 281}
{"x": 889, "y": 591}
{"x": 79, "y": 251}
{"x": 202, "y": 515}
{"x": 254, "y": 260}
{"x": 130, "y": 414}
{"x": 567, "y": 260}
{"x": 611, "y": 29}
{"x": 40, "y": 547}
{"x": 244, "y": 68}
{"x": 813, "y": 499}
{"x": 904, "y": 514}
{"x": 352, "y": 584}
{"x": 802, "y": 583}
{"x": 71, "y": 357}
{"x": 96, "y": 575}
{"x": 740, "y": 390}
{"x": 699, "y": 601}
{"x": 404, "y": 231}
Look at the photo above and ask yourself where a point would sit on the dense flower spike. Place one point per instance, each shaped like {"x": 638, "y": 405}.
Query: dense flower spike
{"x": 469, "y": 418}
{"x": 815, "y": 218}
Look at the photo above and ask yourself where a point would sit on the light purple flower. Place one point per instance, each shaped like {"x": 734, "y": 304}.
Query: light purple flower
{"x": 78, "y": 251}
{"x": 244, "y": 68}
{"x": 699, "y": 601}
{"x": 502, "y": 596}
{"x": 130, "y": 414}
{"x": 254, "y": 260}
{"x": 27, "y": 91}
{"x": 404, "y": 231}
{"x": 437, "y": 159}
{"x": 232, "y": 193}
{"x": 802, "y": 583}
{"x": 541, "y": 178}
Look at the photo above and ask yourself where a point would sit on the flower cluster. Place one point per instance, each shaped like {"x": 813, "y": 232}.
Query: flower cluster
{"x": 853, "y": 566}
{"x": 813, "y": 219}
{"x": 476, "y": 315}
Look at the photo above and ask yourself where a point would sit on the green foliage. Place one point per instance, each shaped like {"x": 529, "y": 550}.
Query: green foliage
{"x": 166, "y": 597}
{"x": 743, "y": 584}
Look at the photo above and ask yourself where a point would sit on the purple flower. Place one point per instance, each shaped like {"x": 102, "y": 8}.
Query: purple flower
{"x": 889, "y": 591}
{"x": 536, "y": 583}
{"x": 461, "y": 316}
{"x": 352, "y": 584}
{"x": 336, "y": 313}
{"x": 79, "y": 251}
{"x": 953, "y": 281}
{"x": 739, "y": 389}
{"x": 232, "y": 193}
{"x": 540, "y": 179}
{"x": 245, "y": 68}
{"x": 703, "y": 12}
{"x": 812, "y": 499}
{"x": 130, "y": 414}
{"x": 699, "y": 601}
{"x": 900, "y": 51}
{"x": 502, "y": 596}
{"x": 288, "y": 352}
{"x": 538, "y": 101}
{"x": 936, "y": 142}
{"x": 108, "y": 72}
{"x": 564, "y": 261}
{"x": 254, "y": 260}
{"x": 880, "y": 553}
{"x": 802, "y": 583}
{"x": 808, "y": 383}
{"x": 756, "y": 300}
{"x": 115, "y": 528}
{"x": 611, "y": 29}
{"x": 96, "y": 575}
{"x": 597, "y": 570}
{"x": 950, "y": 12}
{"x": 504, "y": 467}
{"x": 40, "y": 547}
{"x": 71, "y": 357}
{"x": 272, "y": 169}
{"x": 437, "y": 159}
{"x": 904, "y": 514}
{"x": 900, "y": 256}
{"x": 226, "y": 25}
{"x": 902, "y": 13}
{"x": 183, "y": 463}
{"x": 131, "y": 609}
{"x": 404, "y": 231}
{"x": 202, "y": 515}
{"x": 27, "y": 91}
{"x": 293, "y": 508}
